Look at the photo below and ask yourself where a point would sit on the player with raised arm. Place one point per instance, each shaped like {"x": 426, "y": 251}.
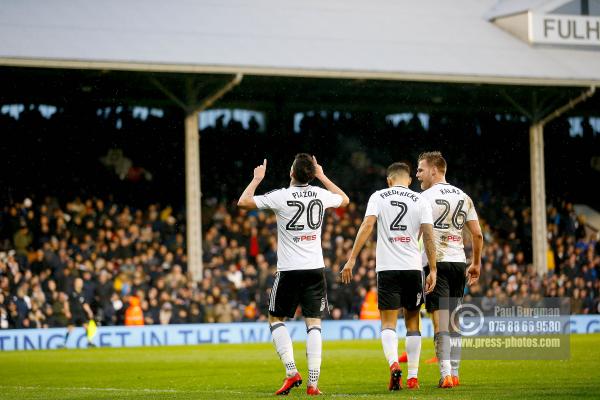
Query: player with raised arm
{"x": 300, "y": 278}
{"x": 402, "y": 216}
{"x": 453, "y": 210}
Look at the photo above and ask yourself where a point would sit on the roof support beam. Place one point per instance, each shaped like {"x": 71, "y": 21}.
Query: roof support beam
{"x": 539, "y": 228}
{"x": 193, "y": 197}
{"x": 538, "y": 181}
{"x": 516, "y": 105}
{"x": 168, "y": 93}
{"x": 210, "y": 100}
{"x": 193, "y": 188}
{"x": 568, "y": 106}
{"x": 297, "y": 72}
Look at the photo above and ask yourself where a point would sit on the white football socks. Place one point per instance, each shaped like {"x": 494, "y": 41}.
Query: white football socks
{"x": 389, "y": 340}
{"x": 442, "y": 351}
{"x": 314, "y": 345}
{"x": 283, "y": 345}
{"x": 455, "y": 350}
{"x": 413, "y": 351}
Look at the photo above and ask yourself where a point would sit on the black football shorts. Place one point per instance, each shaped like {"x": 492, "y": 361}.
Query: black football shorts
{"x": 449, "y": 287}
{"x": 400, "y": 288}
{"x": 303, "y": 287}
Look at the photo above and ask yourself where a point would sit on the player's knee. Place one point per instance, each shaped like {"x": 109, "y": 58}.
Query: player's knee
{"x": 274, "y": 320}
{"x": 312, "y": 322}
{"x": 389, "y": 319}
{"x": 316, "y": 328}
{"x": 411, "y": 321}
{"x": 388, "y": 325}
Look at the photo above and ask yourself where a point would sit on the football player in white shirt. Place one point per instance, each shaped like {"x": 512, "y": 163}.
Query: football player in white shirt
{"x": 453, "y": 210}
{"x": 402, "y": 216}
{"x": 300, "y": 280}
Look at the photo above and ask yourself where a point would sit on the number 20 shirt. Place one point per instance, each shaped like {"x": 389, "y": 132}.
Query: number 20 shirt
{"x": 400, "y": 213}
{"x": 299, "y": 211}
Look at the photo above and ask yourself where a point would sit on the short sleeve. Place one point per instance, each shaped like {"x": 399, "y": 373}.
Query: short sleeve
{"x": 426, "y": 212}
{"x": 331, "y": 199}
{"x": 268, "y": 201}
{"x": 372, "y": 206}
{"x": 471, "y": 213}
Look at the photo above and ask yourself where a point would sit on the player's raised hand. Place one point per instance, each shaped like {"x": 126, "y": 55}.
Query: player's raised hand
{"x": 318, "y": 169}
{"x": 347, "y": 271}
{"x": 473, "y": 273}
{"x": 430, "y": 282}
{"x": 259, "y": 172}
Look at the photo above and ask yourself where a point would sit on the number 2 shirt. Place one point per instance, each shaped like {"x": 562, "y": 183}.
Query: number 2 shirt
{"x": 400, "y": 213}
{"x": 299, "y": 211}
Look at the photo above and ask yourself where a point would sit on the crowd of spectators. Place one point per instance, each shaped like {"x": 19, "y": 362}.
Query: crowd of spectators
{"x": 134, "y": 252}
{"x": 129, "y": 256}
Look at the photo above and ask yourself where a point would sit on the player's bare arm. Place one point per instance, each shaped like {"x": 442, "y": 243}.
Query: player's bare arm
{"x": 475, "y": 268}
{"x": 329, "y": 185}
{"x": 429, "y": 244}
{"x": 364, "y": 233}
{"x": 246, "y": 200}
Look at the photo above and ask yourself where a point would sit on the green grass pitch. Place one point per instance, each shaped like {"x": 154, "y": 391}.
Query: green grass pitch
{"x": 351, "y": 369}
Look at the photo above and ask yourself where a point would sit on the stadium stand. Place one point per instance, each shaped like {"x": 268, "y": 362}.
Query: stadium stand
{"x": 132, "y": 258}
{"x": 132, "y": 255}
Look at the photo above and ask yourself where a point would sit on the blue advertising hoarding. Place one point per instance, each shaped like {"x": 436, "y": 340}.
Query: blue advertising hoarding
{"x": 249, "y": 332}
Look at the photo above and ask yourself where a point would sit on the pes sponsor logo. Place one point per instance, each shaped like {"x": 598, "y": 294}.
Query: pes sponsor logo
{"x": 452, "y": 238}
{"x": 304, "y": 238}
{"x": 399, "y": 239}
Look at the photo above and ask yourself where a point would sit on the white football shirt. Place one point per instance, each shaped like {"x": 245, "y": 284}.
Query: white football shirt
{"x": 400, "y": 213}
{"x": 452, "y": 208}
{"x": 299, "y": 211}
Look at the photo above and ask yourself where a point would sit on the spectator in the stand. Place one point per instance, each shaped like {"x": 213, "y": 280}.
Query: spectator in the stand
{"x": 60, "y": 309}
{"x": 368, "y": 309}
{"x": 195, "y": 316}
{"x": 209, "y": 309}
{"x": 134, "y": 314}
{"x": 166, "y": 314}
{"x": 22, "y": 306}
{"x": 223, "y": 310}
{"x": 4, "y": 317}
{"x": 22, "y": 240}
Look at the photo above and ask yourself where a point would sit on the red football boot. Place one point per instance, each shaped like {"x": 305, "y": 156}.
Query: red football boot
{"x": 395, "y": 377}
{"x": 403, "y": 358}
{"x": 289, "y": 383}
{"x": 412, "y": 383}
{"x": 455, "y": 381}
{"x": 446, "y": 382}
{"x": 313, "y": 391}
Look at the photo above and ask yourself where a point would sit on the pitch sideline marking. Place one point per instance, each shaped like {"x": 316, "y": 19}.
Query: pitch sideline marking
{"x": 100, "y": 389}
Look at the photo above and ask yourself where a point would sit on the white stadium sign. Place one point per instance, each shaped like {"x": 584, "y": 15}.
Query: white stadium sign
{"x": 564, "y": 29}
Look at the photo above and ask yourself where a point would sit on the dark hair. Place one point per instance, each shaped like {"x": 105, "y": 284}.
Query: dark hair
{"x": 434, "y": 158}
{"x": 398, "y": 168}
{"x": 303, "y": 168}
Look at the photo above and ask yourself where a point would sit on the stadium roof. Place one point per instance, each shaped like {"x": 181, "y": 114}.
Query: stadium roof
{"x": 435, "y": 40}
{"x": 378, "y": 55}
